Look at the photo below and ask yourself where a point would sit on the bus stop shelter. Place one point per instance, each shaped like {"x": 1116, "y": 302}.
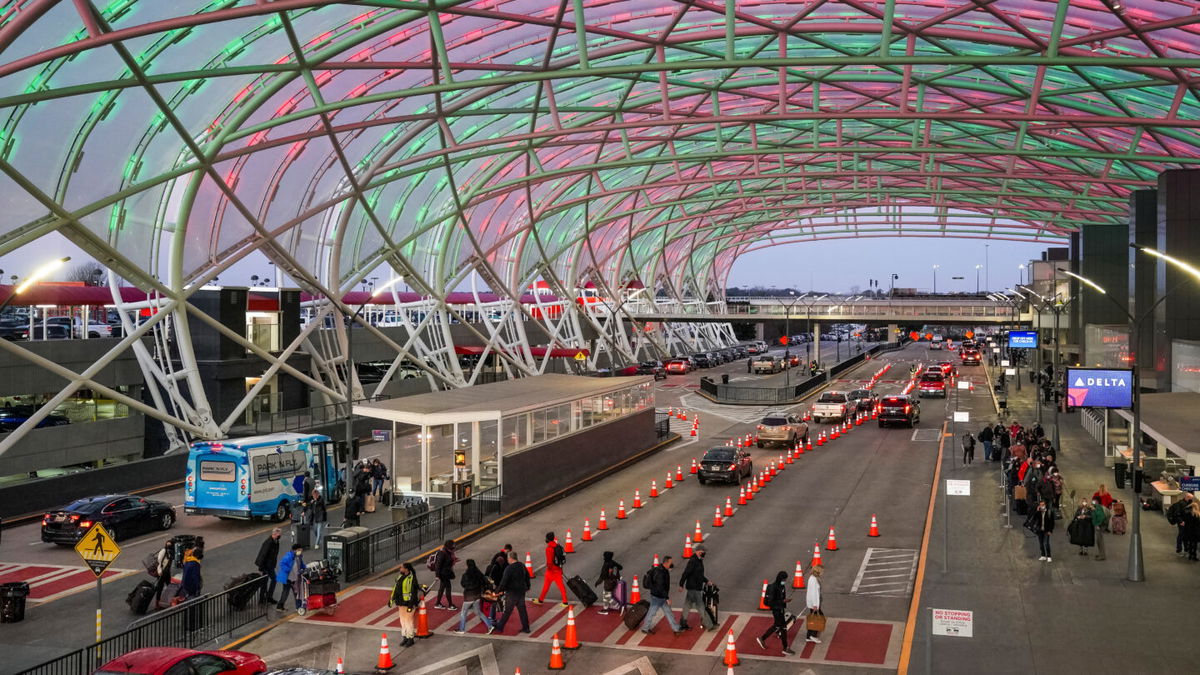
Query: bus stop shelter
{"x": 489, "y": 421}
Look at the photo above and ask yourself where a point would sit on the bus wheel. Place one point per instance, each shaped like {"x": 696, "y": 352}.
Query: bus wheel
{"x": 281, "y": 512}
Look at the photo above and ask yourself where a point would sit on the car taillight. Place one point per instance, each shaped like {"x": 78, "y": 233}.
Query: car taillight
{"x": 46, "y": 519}
{"x": 908, "y": 408}
{"x": 85, "y": 524}
{"x": 74, "y": 517}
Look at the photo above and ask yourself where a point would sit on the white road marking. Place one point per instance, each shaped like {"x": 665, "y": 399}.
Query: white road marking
{"x": 878, "y": 568}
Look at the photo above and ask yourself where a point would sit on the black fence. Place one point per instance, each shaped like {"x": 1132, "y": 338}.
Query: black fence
{"x": 732, "y": 393}
{"x": 189, "y": 625}
{"x": 662, "y": 425}
{"x": 388, "y": 545}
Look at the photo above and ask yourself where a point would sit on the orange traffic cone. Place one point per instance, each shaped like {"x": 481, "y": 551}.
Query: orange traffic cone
{"x": 695, "y": 467}
{"x": 693, "y": 429}
{"x": 731, "y": 658}
{"x": 602, "y": 524}
{"x": 587, "y": 531}
{"x": 739, "y": 442}
{"x": 717, "y": 522}
{"x": 756, "y": 484}
{"x": 770, "y": 472}
{"x": 874, "y": 531}
{"x": 423, "y": 620}
{"x": 809, "y": 444}
{"x": 791, "y": 456}
{"x": 637, "y": 499}
{"x": 678, "y": 474}
{"x": 698, "y": 536}
{"x": 728, "y": 506}
{"x": 635, "y": 594}
{"x": 385, "y": 655}
{"x": 683, "y": 415}
{"x": 834, "y": 434}
{"x": 341, "y": 668}
{"x": 762, "y": 600}
{"x": 687, "y": 547}
{"x": 750, "y": 491}
{"x": 670, "y": 483}
{"x": 621, "y": 510}
{"x": 820, "y": 439}
{"x": 529, "y": 565}
{"x": 780, "y": 463}
{"x": 570, "y": 637}
{"x": 831, "y": 545}
{"x": 568, "y": 546}
{"x": 741, "y": 496}
{"x": 798, "y": 577}
{"x": 556, "y": 659}
{"x": 816, "y": 559}
{"x": 656, "y": 563}
{"x": 653, "y": 489}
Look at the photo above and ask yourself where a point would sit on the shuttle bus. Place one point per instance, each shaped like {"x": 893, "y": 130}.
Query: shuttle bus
{"x": 259, "y": 476}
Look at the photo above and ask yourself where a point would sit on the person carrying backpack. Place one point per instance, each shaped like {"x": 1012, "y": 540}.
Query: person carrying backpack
{"x": 610, "y": 575}
{"x": 692, "y": 582}
{"x": 658, "y": 583}
{"x": 556, "y": 557}
{"x": 776, "y": 600}
{"x": 442, "y": 566}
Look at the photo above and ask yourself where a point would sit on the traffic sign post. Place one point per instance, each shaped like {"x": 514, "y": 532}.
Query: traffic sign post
{"x": 98, "y": 549}
{"x": 949, "y": 622}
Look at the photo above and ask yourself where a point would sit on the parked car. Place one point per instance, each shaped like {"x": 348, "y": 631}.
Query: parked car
{"x": 122, "y": 515}
{"x": 726, "y": 465}
{"x": 702, "y": 360}
{"x": 651, "y": 368}
{"x": 740, "y": 351}
{"x": 831, "y": 405}
{"x": 899, "y": 408}
{"x": 767, "y": 365}
{"x": 180, "y": 661}
{"x": 862, "y": 399}
{"x": 13, "y": 416}
{"x": 778, "y": 427}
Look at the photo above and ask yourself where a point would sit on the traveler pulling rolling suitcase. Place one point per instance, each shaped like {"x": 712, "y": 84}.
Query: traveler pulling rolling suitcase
{"x": 635, "y": 614}
{"x": 140, "y": 597}
{"x": 582, "y": 591}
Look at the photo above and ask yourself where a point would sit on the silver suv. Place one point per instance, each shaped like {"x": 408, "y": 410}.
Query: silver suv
{"x": 778, "y": 427}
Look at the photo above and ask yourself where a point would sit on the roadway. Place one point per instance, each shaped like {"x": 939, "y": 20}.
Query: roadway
{"x": 886, "y": 472}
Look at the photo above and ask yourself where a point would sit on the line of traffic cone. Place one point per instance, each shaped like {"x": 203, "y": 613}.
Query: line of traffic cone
{"x": 741, "y": 496}
{"x": 637, "y": 499}
{"x": 635, "y": 594}
{"x": 653, "y": 489}
{"x": 831, "y": 544}
{"x": 695, "y": 467}
{"x": 717, "y": 522}
{"x": 731, "y": 657}
{"x": 687, "y": 546}
{"x": 698, "y": 536}
{"x": 728, "y": 506}
{"x": 587, "y": 531}
{"x": 621, "y": 510}
{"x": 529, "y": 565}
{"x": 678, "y": 473}
{"x": 602, "y": 524}
{"x": 670, "y": 482}
{"x": 816, "y": 557}
{"x": 750, "y": 491}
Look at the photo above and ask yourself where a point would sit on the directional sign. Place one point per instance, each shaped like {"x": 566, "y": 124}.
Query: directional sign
{"x": 98, "y": 549}
{"x": 953, "y": 622}
{"x": 961, "y": 416}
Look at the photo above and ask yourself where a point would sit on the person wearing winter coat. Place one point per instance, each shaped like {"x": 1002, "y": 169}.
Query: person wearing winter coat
{"x": 1103, "y": 496}
{"x": 610, "y": 574}
{"x": 1041, "y": 522}
{"x": 692, "y": 583}
{"x": 190, "y": 582}
{"x": 776, "y": 600}
{"x": 812, "y": 600}
{"x": 474, "y": 582}
{"x": 1175, "y": 517}
{"x": 444, "y": 571}
{"x": 1099, "y": 525}
{"x": 289, "y": 573}
{"x": 968, "y": 446}
{"x": 316, "y": 515}
{"x": 164, "y": 560}
{"x": 985, "y": 437}
{"x": 265, "y": 562}
{"x": 514, "y": 585}
{"x": 658, "y": 583}
{"x": 406, "y": 594}
{"x": 1081, "y": 531}
{"x": 1191, "y": 529}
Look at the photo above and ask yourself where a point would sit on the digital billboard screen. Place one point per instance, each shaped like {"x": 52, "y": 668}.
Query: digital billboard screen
{"x": 1099, "y": 388}
{"x": 1022, "y": 339}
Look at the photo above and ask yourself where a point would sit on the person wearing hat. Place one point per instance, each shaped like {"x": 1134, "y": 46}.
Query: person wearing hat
{"x": 692, "y": 582}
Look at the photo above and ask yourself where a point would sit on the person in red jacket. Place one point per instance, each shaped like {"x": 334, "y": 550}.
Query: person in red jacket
{"x": 555, "y": 558}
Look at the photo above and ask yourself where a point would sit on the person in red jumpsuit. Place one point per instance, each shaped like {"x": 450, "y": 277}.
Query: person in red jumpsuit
{"x": 555, "y": 558}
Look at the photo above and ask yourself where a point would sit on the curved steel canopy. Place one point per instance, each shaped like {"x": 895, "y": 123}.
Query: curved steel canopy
{"x": 575, "y": 140}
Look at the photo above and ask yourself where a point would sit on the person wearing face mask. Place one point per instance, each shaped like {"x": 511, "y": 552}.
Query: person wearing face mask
{"x": 777, "y": 600}
{"x": 692, "y": 582}
{"x": 658, "y": 583}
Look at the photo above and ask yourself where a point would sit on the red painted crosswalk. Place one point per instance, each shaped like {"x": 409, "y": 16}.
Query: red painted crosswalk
{"x": 50, "y": 582}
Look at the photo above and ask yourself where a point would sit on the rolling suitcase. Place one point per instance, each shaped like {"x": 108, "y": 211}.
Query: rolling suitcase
{"x": 581, "y": 590}
{"x": 302, "y": 534}
{"x": 635, "y": 614}
{"x": 1117, "y": 524}
{"x": 140, "y": 597}
{"x": 369, "y": 504}
{"x": 243, "y": 589}
{"x": 620, "y": 593}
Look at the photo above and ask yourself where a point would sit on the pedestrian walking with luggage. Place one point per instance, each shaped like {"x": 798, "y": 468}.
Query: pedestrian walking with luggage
{"x": 776, "y": 600}
{"x": 406, "y": 595}
{"x": 288, "y": 574}
{"x": 1099, "y": 525}
{"x": 1041, "y": 521}
{"x": 191, "y": 583}
{"x": 442, "y": 566}
{"x": 514, "y": 585}
{"x": 164, "y": 560}
{"x": 658, "y": 583}
{"x": 317, "y": 516}
{"x": 556, "y": 557}
{"x": 265, "y": 562}
{"x": 473, "y": 584}
{"x": 610, "y": 576}
{"x": 692, "y": 583}
{"x": 301, "y": 530}
{"x": 1175, "y": 517}
{"x": 813, "y": 609}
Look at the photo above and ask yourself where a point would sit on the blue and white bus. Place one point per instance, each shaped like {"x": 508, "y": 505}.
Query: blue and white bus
{"x": 259, "y": 476}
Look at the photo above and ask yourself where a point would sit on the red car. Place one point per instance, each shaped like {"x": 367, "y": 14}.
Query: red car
{"x": 179, "y": 661}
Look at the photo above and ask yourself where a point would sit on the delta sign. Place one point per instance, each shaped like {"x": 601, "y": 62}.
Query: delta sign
{"x": 1097, "y": 388}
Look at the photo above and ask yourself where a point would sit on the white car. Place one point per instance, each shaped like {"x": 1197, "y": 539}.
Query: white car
{"x": 831, "y": 405}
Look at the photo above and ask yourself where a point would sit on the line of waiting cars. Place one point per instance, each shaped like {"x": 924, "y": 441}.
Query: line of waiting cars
{"x": 682, "y": 365}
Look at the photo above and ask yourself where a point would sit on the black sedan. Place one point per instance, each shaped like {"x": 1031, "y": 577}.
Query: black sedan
{"x": 725, "y": 465}
{"x": 863, "y": 399}
{"x": 654, "y": 368}
{"x": 124, "y": 516}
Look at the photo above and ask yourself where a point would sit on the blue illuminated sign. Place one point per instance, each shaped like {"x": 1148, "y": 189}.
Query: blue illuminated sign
{"x": 1097, "y": 388}
{"x": 1022, "y": 339}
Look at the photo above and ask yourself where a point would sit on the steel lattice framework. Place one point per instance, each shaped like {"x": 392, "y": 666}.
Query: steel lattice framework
{"x": 568, "y": 141}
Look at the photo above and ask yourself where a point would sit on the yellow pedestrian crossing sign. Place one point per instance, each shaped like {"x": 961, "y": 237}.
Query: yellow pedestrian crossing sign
{"x": 580, "y": 356}
{"x": 98, "y": 549}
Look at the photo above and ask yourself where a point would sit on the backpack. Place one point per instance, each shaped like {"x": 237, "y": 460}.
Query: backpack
{"x": 432, "y": 561}
{"x": 560, "y": 556}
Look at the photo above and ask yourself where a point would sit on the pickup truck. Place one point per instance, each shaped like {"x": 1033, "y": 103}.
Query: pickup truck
{"x": 767, "y": 364}
{"x": 832, "y": 405}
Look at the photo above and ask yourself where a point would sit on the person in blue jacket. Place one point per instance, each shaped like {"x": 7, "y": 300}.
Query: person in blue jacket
{"x": 190, "y": 581}
{"x": 288, "y": 573}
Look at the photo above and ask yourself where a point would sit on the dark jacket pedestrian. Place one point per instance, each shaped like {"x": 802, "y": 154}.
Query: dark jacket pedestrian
{"x": 658, "y": 582}
{"x": 514, "y": 584}
{"x": 1041, "y": 521}
{"x": 190, "y": 582}
{"x": 443, "y": 569}
{"x": 354, "y": 509}
{"x": 610, "y": 574}
{"x": 693, "y": 577}
{"x": 266, "y": 561}
{"x": 473, "y": 582}
{"x": 164, "y": 561}
{"x": 495, "y": 568}
{"x": 362, "y": 481}
{"x": 692, "y": 581}
{"x": 776, "y": 600}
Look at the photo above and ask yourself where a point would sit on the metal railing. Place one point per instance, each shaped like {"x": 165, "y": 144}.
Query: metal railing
{"x": 188, "y": 625}
{"x": 303, "y": 419}
{"x": 387, "y": 545}
{"x": 662, "y": 425}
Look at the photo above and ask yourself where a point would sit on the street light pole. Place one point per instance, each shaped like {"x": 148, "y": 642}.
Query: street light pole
{"x": 787, "y": 330}
{"x": 351, "y": 375}
{"x": 1040, "y": 307}
{"x": 977, "y": 268}
{"x": 935, "y": 269}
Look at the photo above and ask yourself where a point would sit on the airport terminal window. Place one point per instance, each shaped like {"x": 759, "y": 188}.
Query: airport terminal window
{"x": 81, "y": 407}
{"x": 262, "y": 329}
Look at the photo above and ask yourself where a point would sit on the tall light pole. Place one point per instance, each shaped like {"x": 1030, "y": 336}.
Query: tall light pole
{"x": 787, "y": 334}
{"x": 935, "y": 269}
{"x": 44, "y": 270}
{"x": 1135, "y": 570}
{"x": 808, "y": 321}
{"x": 1039, "y": 306}
{"x": 351, "y": 375}
{"x": 987, "y": 271}
{"x": 977, "y": 268}
{"x": 1020, "y": 274}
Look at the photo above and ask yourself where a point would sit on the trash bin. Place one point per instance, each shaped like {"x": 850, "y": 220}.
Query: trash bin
{"x": 725, "y": 378}
{"x": 348, "y": 550}
{"x": 12, "y": 601}
{"x": 1119, "y": 471}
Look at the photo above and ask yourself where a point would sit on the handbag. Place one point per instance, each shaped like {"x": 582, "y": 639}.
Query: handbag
{"x": 816, "y": 621}
{"x": 1019, "y": 492}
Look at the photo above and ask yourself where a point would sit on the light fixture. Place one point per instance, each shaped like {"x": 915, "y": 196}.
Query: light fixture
{"x": 1084, "y": 279}
{"x": 40, "y": 273}
{"x": 388, "y": 285}
{"x": 1171, "y": 259}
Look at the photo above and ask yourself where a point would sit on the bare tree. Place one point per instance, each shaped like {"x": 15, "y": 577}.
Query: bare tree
{"x": 91, "y": 273}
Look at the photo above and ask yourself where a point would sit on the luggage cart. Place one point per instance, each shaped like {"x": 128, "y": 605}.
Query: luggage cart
{"x": 317, "y": 588}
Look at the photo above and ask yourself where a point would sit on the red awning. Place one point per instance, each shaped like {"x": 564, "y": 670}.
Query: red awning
{"x": 262, "y": 303}
{"x": 70, "y": 296}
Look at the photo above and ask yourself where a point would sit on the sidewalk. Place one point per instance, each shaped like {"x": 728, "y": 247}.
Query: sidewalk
{"x": 1075, "y": 614}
